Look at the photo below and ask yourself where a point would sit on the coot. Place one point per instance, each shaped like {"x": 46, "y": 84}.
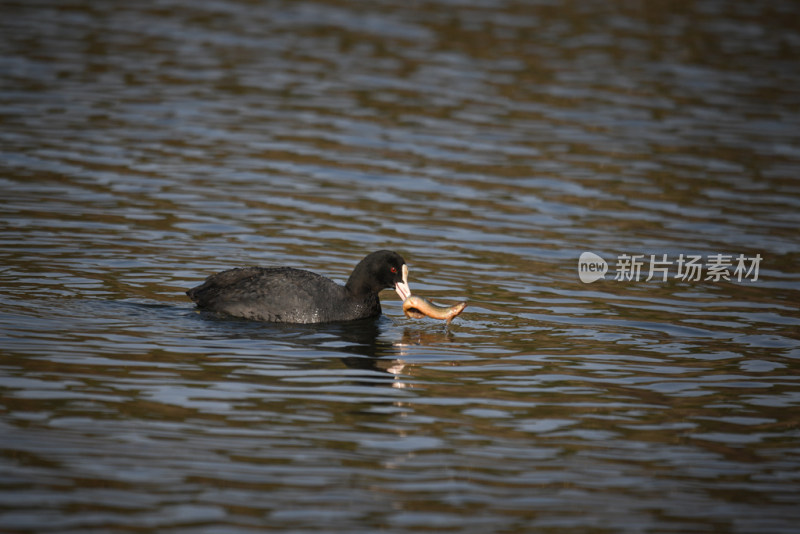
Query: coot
{"x": 288, "y": 295}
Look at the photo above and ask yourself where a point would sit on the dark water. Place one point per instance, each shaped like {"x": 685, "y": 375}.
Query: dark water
{"x": 144, "y": 146}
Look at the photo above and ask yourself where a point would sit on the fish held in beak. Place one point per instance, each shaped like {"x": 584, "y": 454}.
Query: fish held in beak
{"x": 417, "y": 307}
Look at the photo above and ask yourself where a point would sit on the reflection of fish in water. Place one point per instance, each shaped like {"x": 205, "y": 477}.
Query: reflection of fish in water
{"x": 417, "y": 307}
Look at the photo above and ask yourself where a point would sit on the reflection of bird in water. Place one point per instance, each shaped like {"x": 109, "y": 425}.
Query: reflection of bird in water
{"x": 368, "y": 344}
{"x": 390, "y": 358}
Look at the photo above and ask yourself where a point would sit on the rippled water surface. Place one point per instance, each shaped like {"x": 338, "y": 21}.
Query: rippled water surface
{"x": 146, "y": 145}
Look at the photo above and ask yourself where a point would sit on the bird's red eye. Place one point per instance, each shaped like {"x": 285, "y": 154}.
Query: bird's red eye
{"x": 394, "y": 270}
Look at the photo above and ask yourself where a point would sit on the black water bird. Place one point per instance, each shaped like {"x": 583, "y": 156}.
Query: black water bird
{"x": 289, "y": 295}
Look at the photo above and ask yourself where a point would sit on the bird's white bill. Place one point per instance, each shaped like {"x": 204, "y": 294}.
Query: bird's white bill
{"x": 402, "y": 287}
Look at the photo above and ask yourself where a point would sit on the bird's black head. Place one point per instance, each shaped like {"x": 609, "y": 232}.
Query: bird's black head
{"x": 380, "y": 270}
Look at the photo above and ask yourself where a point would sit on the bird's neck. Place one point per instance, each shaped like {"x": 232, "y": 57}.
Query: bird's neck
{"x": 358, "y": 285}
